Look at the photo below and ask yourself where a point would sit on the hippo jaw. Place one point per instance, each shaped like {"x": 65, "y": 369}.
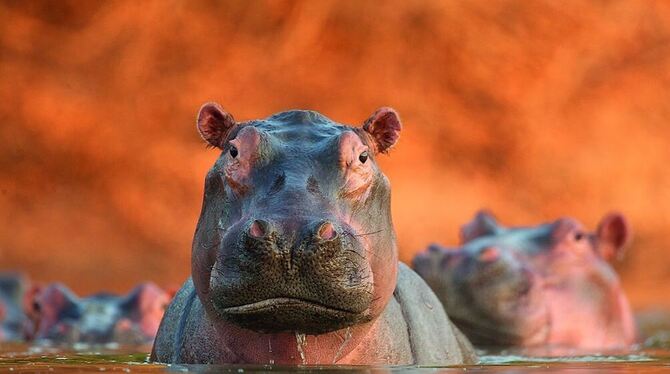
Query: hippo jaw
{"x": 290, "y": 314}
{"x": 509, "y": 310}
{"x": 493, "y": 296}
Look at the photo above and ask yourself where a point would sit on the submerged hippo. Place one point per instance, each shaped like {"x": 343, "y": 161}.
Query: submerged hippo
{"x": 294, "y": 258}
{"x": 13, "y": 321}
{"x": 60, "y": 317}
{"x": 549, "y": 285}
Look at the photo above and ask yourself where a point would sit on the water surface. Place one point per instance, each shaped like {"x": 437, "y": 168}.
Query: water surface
{"x": 24, "y": 358}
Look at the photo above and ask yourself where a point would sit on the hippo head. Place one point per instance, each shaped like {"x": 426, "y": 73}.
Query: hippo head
{"x": 492, "y": 295}
{"x": 295, "y": 232}
{"x": 527, "y": 286}
{"x": 60, "y": 316}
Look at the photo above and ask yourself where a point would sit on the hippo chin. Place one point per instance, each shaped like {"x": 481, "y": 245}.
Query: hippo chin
{"x": 545, "y": 286}
{"x": 294, "y": 258}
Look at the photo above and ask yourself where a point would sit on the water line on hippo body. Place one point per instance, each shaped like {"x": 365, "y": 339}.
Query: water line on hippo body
{"x": 345, "y": 340}
{"x": 271, "y": 361}
{"x": 301, "y": 344}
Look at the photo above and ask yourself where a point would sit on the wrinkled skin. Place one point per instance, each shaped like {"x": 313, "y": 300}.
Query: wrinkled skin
{"x": 294, "y": 257}
{"x": 549, "y": 285}
{"x": 13, "y": 321}
{"x": 61, "y": 317}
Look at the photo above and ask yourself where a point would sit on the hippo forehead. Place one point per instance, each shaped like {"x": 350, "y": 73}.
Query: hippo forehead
{"x": 528, "y": 240}
{"x": 95, "y": 303}
{"x": 105, "y": 298}
{"x": 300, "y": 128}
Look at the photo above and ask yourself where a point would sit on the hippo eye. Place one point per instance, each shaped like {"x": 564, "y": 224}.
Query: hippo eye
{"x": 363, "y": 157}
{"x": 233, "y": 151}
{"x": 579, "y": 235}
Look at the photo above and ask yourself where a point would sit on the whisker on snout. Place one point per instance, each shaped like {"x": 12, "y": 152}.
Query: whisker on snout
{"x": 369, "y": 233}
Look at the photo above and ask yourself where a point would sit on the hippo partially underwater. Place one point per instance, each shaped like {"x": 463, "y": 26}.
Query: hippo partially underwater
{"x": 59, "y": 316}
{"x": 13, "y": 321}
{"x": 294, "y": 259}
{"x": 549, "y": 285}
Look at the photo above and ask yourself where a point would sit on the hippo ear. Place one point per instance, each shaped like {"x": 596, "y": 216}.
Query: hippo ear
{"x": 214, "y": 124}
{"x": 483, "y": 224}
{"x": 613, "y": 234}
{"x": 57, "y": 295}
{"x": 141, "y": 297}
{"x": 50, "y": 300}
{"x": 384, "y": 126}
{"x": 33, "y": 310}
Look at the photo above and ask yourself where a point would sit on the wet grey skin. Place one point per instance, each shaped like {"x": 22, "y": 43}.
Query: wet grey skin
{"x": 294, "y": 257}
{"x": 13, "y": 320}
{"x": 531, "y": 286}
{"x": 495, "y": 302}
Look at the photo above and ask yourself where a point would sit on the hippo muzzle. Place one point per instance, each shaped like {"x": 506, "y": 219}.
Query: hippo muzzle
{"x": 493, "y": 296}
{"x": 310, "y": 275}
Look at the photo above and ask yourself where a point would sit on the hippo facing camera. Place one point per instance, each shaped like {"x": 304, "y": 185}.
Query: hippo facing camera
{"x": 294, "y": 258}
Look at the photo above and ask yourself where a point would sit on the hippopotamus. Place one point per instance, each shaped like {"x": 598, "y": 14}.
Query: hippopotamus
{"x": 294, "y": 258}
{"x": 549, "y": 285}
{"x": 13, "y": 321}
{"x": 61, "y": 317}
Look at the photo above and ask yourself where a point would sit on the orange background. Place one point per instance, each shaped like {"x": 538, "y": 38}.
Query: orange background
{"x": 533, "y": 109}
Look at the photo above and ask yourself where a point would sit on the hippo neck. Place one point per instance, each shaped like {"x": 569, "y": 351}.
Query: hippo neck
{"x": 291, "y": 348}
{"x": 349, "y": 345}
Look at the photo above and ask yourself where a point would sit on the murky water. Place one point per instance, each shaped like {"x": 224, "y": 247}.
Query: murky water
{"x": 22, "y": 358}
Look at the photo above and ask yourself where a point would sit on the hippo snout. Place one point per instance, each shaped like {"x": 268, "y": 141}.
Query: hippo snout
{"x": 263, "y": 233}
{"x": 306, "y": 274}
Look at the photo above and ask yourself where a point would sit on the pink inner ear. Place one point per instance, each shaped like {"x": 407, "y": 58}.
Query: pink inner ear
{"x": 384, "y": 126}
{"x": 51, "y": 299}
{"x": 214, "y": 124}
{"x": 613, "y": 235}
{"x": 30, "y": 298}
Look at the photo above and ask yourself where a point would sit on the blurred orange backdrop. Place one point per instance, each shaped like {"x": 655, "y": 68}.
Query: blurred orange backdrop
{"x": 533, "y": 109}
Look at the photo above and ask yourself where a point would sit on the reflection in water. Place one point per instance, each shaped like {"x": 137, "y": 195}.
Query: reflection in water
{"x": 22, "y": 358}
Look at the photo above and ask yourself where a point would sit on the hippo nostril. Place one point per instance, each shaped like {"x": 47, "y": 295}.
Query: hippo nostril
{"x": 259, "y": 229}
{"x": 489, "y": 254}
{"x": 326, "y": 231}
